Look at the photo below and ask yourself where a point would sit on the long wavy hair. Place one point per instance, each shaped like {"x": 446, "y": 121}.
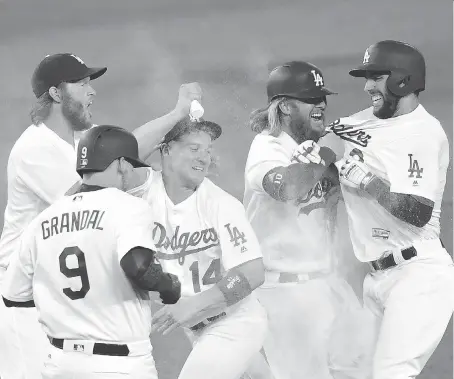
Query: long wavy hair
{"x": 269, "y": 118}
{"x": 41, "y": 109}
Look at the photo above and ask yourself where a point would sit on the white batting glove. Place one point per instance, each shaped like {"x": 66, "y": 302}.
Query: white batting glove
{"x": 354, "y": 173}
{"x": 307, "y": 152}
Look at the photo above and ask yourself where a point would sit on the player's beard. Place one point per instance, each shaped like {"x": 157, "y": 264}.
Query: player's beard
{"x": 302, "y": 131}
{"x": 389, "y": 107}
{"x": 73, "y": 111}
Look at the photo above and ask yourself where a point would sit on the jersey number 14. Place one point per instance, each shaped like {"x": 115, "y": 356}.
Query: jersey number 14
{"x": 212, "y": 274}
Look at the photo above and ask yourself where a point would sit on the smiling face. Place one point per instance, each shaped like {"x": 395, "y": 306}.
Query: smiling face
{"x": 307, "y": 119}
{"x": 189, "y": 157}
{"x": 76, "y": 101}
{"x": 384, "y": 103}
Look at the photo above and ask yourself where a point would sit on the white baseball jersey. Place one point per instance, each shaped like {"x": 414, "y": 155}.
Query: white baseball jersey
{"x": 41, "y": 168}
{"x": 69, "y": 263}
{"x": 295, "y": 236}
{"x": 409, "y": 152}
{"x": 202, "y": 237}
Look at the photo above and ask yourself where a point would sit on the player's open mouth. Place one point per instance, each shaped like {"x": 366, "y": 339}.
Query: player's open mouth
{"x": 376, "y": 100}
{"x": 317, "y": 116}
{"x": 198, "y": 168}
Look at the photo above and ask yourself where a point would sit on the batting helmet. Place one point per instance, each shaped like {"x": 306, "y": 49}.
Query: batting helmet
{"x": 103, "y": 144}
{"x": 299, "y": 80}
{"x": 404, "y": 64}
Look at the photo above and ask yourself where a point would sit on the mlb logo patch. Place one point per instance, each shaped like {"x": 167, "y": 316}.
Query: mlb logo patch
{"x": 78, "y": 347}
{"x": 83, "y": 162}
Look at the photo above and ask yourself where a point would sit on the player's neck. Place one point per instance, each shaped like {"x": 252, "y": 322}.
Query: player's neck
{"x": 176, "y": 190}
{"x": 406, "y": 105}
{"x": 57, "y": 123}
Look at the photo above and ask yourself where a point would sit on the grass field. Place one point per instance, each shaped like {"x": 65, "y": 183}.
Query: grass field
{"x": 151, "y": 46}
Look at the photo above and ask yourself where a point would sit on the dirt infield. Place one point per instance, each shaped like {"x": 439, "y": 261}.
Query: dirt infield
{"x": 150, "y": 47}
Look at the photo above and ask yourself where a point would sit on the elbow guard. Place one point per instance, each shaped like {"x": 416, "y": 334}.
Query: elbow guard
{"x": 141, "y": 267}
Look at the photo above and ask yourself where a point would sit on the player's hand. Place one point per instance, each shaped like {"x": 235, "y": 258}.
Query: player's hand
{"x": 170, "y": 289}
{"x": 170, "y": 317}
{"x": 354, "y": 173}
{"x": 307, "y": 152}
{"x": 188, "y": 92}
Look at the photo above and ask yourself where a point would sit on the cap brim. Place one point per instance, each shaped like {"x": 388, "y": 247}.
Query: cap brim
{"x": 96, "y": 72}
{"x": 137, "y": 163}
{"x": 361, "y": 71}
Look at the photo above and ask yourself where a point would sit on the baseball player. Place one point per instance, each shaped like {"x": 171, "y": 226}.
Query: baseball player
{"x": 88, "y": 262}
{"x": 203, "y": 237}
{"x": 291, "y": 192}
{"x": 393, "y": 176}
{"x": 41, "y": 169}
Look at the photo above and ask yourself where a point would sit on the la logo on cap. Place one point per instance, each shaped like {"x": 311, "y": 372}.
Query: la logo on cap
{"x": 366, "y": 57}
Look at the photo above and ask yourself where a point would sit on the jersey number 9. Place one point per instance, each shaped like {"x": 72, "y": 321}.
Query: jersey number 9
{"x": 80, "y": 270}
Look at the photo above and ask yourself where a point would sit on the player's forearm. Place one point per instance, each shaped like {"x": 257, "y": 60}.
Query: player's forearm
{"x": 403, "y": 206}
{"x": 296, "y": 180}
{"x": 151, "y": 133}
{"x": 236, "y": 285}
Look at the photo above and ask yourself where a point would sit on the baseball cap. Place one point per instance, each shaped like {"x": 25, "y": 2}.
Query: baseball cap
{"x": 63, "y": 67}
{"x": 101, "y": 145}
{"x": 187, "y": 125}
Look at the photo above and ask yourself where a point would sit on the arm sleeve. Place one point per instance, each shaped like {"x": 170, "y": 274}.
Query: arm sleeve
{"x": 18, "y": 281}
{"x": 275, "y": 157}
{"x": 412, "y": 165}
{"x": 238, "y": 241}
{"x": 48, "y": 177}
{"x": 135, "y": 227}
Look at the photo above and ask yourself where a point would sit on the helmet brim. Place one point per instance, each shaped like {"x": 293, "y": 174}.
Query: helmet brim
{"x": 304, "y": 95}
{"x": 364, "y": 69}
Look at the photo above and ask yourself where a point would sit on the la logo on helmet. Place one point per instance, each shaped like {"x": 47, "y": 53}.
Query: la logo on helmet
{"x": 366, "y": 57}
{"x": 318, "y": 79}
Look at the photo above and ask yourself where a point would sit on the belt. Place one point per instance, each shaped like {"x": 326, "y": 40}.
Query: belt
{"x": 98, "y": 348}
{"x": 288, "y": 277}
{"x": 389, "y": 261}
{"x": 206, "y": 322}
{"x": 274, "y": 277}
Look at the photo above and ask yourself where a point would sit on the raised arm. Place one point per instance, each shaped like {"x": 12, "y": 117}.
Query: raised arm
{"x": 151, "y": 133}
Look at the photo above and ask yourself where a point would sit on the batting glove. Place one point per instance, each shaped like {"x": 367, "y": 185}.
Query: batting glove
{"x": 354, "y": 173}
{"x": 307, "y": 152}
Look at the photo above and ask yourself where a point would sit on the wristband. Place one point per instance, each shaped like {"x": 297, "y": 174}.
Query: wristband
{"x": 234, "y": 286}
{"x": 367, "y": 179}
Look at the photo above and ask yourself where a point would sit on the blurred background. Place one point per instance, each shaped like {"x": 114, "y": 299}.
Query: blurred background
{"x": 152, "y": 46}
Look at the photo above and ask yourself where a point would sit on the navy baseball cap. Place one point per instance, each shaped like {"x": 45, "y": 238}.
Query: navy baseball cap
{"x": 101, "y": 145}
{"x": 187, "y": 125}
{"x": 59, "y": 68}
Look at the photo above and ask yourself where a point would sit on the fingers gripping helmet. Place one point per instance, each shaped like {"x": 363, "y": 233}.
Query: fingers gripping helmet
{"x": 299, "y": 80}
{"x": 404, "y": 64}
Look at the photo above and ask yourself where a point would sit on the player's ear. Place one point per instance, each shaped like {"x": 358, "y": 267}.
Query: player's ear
{"x": 284, "y": 106}
{"x": 123, "y": 165}
{"x": 55, "y": 94}
{"x": 165, "y": 149}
